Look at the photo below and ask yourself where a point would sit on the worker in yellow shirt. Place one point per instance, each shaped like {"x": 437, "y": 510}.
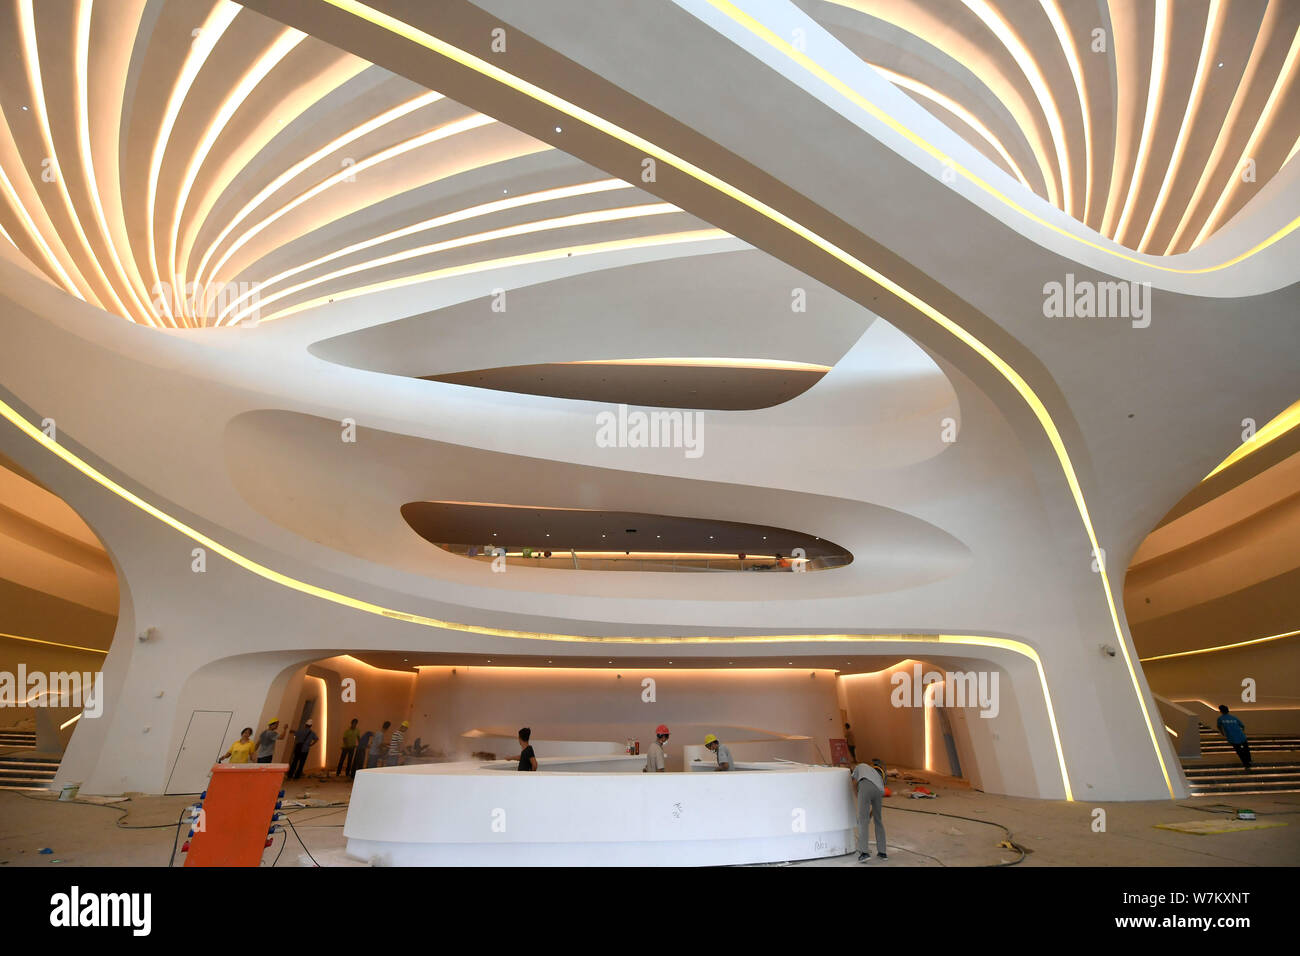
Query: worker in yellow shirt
{"x": 241, "y": 751}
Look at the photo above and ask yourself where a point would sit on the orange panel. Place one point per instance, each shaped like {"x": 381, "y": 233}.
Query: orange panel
{"x": 236, "y": 814}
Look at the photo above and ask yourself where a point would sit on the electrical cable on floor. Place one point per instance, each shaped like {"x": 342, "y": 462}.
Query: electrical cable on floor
{"x": 304, "y": 846}
{"x": 122, "y": 811}
{"x": 283, "y": 843}
{"x": 1009, "y": 844}
{"x": 895, "y": 846}
{"x": 171, "y": 860}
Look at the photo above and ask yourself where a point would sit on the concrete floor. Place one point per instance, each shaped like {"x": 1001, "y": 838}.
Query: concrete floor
{"x": 1055, "y": 833}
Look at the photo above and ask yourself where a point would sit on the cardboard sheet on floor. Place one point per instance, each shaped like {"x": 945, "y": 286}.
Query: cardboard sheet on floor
{"x": 1211, "y": 827}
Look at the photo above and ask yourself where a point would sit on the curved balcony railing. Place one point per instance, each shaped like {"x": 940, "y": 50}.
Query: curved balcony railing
{"x": 698, "y": 564}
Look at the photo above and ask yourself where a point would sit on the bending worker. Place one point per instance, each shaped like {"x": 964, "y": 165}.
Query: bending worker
{"x": 655, "y": 762}
{"x": 869, "y": 787}
{"x": 720, "y": 750}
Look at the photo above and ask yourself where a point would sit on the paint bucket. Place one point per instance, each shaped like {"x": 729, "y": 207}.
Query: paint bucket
{"x": 69, "y": 791}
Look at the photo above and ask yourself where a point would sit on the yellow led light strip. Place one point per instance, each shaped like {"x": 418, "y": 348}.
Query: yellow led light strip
{"x": 1221, "y": 647}
{"x": 1276, "y": 428}
{"x": 31, "y": 57}
{"x": 1029, "y": 68}
{"x": 639, "y": 143}
{"x": 35, "y": 233}
{"x": 347, "y": 173}
{"x": 1155, "y": 88}
{"x": 1053, "y": 11}
{"x": 766, "y": 364}
{"x": 1209, "y": 42}
{"x": 957, "y": 110}
{"x": 285, "y": 44}
{"x": 1284, "y": 78}
{"x": 306, "y": 162}
{"x": 781, "y": 45}
{"x": 82, "y": 87}
{"x": 220, "y": 17}
{"x": 461, "y": 215}
{"x": 1002, "y": 643}
{"x": 1245, "y": 85}
{"x": 37, "y": 640}
{"x": 521, "y": 229}
{"x": 545, "y": 255}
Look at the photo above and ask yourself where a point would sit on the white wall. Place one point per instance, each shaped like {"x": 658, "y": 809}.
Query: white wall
{"x": 607, "y": 704}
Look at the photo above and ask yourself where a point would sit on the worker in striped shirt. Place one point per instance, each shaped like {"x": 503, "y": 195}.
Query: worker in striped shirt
{"x": 395, "y": 745}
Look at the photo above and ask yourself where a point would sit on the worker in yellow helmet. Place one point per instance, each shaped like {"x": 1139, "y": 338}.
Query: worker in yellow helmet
{"x": 719, "y": 749}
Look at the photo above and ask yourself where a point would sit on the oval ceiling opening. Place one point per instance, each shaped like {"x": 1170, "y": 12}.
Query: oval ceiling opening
{"x": 582, "y": 539}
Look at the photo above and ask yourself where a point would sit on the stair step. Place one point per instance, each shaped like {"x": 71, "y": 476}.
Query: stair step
{"x": 1243, "y": 790}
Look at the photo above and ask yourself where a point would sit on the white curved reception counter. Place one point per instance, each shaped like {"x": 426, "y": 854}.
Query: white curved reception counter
{"x": 597, "y": 811}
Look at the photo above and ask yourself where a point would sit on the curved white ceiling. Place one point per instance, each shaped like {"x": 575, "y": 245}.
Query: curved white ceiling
{"x": 191, "y": 163}
{"x": 1152, "y": 123}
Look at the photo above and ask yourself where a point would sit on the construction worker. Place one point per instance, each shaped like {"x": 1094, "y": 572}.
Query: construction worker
{"x": 526, "y": 757}
{"x": 303, "y": 740}
{"x": 395, "y": 745}
{"x": 719, "y": 749}
{"x": 241, "y": 751}
{"x": 655, "y": 762}
{"x": 375, "y": 755}
{"x": 869, "y": 789}
{"x": 266, "y": 740}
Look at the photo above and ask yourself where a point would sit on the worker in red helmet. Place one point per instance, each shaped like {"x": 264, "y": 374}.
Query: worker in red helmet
{"x": 655, "y": 761}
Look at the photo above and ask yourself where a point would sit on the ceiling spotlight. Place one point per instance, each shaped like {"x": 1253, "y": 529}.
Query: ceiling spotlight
{"x": 1220, "y": 67}
{"x": 25, "y": 108}
{"x": 558, "y": 130}
{"x": 505, "y": 192}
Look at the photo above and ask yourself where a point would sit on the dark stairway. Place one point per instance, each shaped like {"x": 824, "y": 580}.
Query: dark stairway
{"x": 1278, "y": 775}
{"x": 24, "y": 771}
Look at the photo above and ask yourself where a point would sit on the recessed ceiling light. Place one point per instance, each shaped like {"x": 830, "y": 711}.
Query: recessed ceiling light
{"x": 505, "y": 192}
{"x": 25, "y": 108}
{"x": 558, "y": 130}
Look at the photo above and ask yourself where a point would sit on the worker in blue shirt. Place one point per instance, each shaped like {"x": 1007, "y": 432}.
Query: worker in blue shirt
{"x": 1234, "y": 732}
